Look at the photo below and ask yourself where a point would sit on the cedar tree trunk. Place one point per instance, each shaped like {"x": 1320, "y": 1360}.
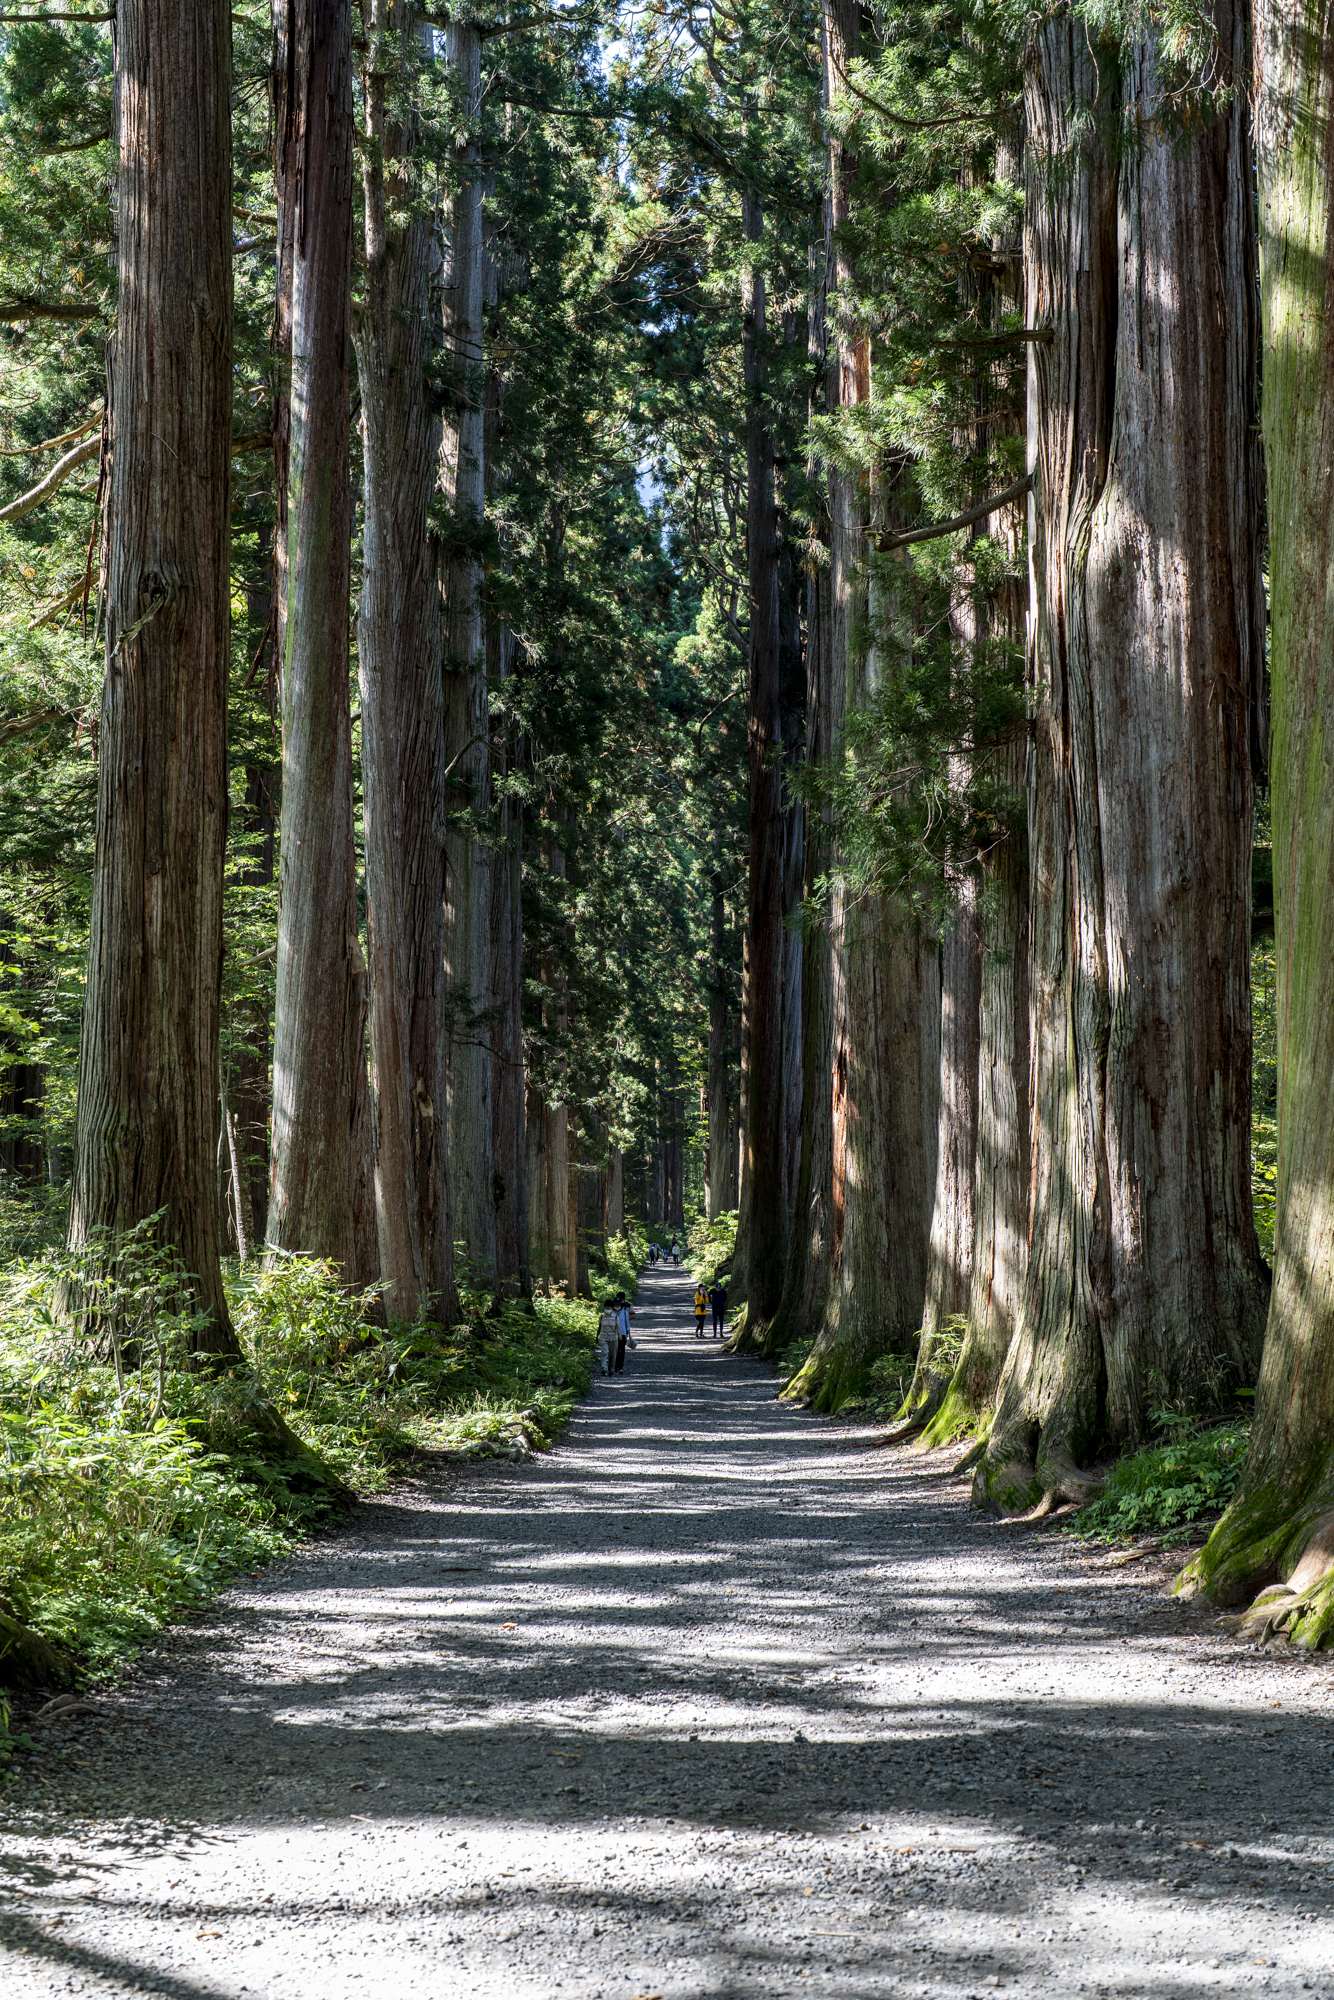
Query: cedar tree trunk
{"x": 762, "y": 1228}
{"x": 467, "y": 729}
{"x": 147, "y": 1129}
{"x": 400, "y": 660}
{"x": 1279, "y": 1530}
{"x": 321, "y": 1200}
{"x": 1145, "y": 1277}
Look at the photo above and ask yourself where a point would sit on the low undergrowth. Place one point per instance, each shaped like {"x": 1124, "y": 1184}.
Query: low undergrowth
{"x": 887, "y": 1383}
{"x": 712, "y": 1245}
{"x": 1165, "y": 1488}
{"x": 617, "y": 1268}
{"x": 132, "y": 1487}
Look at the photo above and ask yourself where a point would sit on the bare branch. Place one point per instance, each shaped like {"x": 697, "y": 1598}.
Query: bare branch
{"x": 56, "y": 477}
{"x": 991, "y": 505}
{"x": 23, "y": 725}
{"x": 75, "y": 146}
{"x": 12, "y": 310}
{"x": 52, "y": 444}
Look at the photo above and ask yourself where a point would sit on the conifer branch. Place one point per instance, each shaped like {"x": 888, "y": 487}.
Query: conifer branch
{"x": 12, "y": 310}
{"x": 57, "y": 476}
{"x": 991, "y": 505}
{"x": 52, "y": 444}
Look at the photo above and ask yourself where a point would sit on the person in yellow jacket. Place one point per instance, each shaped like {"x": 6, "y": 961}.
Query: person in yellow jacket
{"x": 701, "y": 1307}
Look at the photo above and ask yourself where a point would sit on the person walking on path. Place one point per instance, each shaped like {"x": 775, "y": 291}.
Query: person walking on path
{"x": 608, "y": 1334}
{"x": 624, "y": 1315}
{"x": 718, "y": 1300}
{"x": 701, "y": 1307}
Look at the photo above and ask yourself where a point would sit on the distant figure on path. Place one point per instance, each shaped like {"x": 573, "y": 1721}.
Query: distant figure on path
{"x": 701, "y": 1307}
{"x": 608, "y": 1334}
{"x": 718, "y": 1300}
{"x": 623, "y": 1318}
{"x": 673, "y": 1252}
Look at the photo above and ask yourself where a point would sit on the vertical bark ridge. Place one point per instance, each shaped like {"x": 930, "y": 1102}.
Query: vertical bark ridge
{"x": 148, "y": 1105}
{"x": 321, "y": 1194}
{"x": 400, "y": 663}
{"x": 1144, "y": 1279}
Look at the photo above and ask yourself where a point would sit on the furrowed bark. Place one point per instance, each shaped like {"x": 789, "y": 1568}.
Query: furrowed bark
{"x": 510, "y": 1195}
{"x": 148, "y": 1110}
{"x": 810, "y": 1251}
{"x": 1000, "y": 1191}
{"x": 886, "y": 988}
{"x": 1000, "y": 1197}
{"x": 1145, "y": 1279}
{"x": 1279, "y": 1530}
{"x": 953, "y": 1221}
{"x": 321, "y": 1200}
{"x": 467, "y": 726}
{"x": 400, "y": 663}
{"x": 508, "y": 1097}
{"x": 762, "y": 1233}
{"x": 615, "y": 1213}
{"x": 722, "y": 1168}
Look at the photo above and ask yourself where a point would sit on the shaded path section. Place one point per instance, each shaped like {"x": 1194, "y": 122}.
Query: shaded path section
{"x": 718, "y": 1699}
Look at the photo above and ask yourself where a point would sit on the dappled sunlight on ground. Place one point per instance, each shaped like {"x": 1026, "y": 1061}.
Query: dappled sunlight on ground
{"x": 720, "y": 1699}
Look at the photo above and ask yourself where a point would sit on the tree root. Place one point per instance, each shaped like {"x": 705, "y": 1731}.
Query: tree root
{"x": 1031, "y": 1490}
{"x": 29, "y": 1659}
{"x": 1294, "y": 1610}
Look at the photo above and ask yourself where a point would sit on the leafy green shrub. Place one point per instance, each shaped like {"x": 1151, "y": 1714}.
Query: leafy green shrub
{"x": 885, "y": 1388}
{"x": 712, "y": 1245}
{"x": 131, "y": 1487}
{"x": 1167, "y": 1486}
{"x": 617, "y": 1268}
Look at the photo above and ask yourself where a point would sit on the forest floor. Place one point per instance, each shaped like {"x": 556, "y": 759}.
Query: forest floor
{"x": 718, "y": 1699}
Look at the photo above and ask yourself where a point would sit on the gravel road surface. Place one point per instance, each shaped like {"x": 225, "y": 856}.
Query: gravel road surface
{"x": 720, "y": 1699}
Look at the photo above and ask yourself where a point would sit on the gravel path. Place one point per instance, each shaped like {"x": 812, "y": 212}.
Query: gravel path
{"x": 719, "y": 1699}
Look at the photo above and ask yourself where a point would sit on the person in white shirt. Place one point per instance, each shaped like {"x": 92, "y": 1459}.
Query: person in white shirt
{"x": 608, "y": 1334}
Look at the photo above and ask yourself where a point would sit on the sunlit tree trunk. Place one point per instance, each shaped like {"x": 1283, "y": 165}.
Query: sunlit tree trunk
{"x": 148, "y": 1109}
{"x": 1000, "y": 1190}
{"x": 400, "y": 663}
{"x": 886, "y": 987}
{"x": 1145, "y": 1277}
{"x": 321, "y": 1196}
{"x": 949, "y": 1267}
{"x": 1279, "y": 1530}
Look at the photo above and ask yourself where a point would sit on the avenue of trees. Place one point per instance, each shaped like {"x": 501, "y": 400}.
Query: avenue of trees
{"x": 620, "y": 610}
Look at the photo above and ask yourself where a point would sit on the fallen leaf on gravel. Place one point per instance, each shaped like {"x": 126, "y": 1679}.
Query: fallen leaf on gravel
{"x": 509, "y": 1628}
{"x": 207, "y": 1934}
{"x": 646, "y": 1996}
{"x": 570, "y": 1756}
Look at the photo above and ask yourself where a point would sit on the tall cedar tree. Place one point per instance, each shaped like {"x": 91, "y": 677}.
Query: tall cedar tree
{"x": 147, "y": 1134}
{"x": 400, "y": 660}
{"x": 1144, "y": 1276}
{"x": 321, "y": 1200}
{"x": 1279, "y": 1530}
